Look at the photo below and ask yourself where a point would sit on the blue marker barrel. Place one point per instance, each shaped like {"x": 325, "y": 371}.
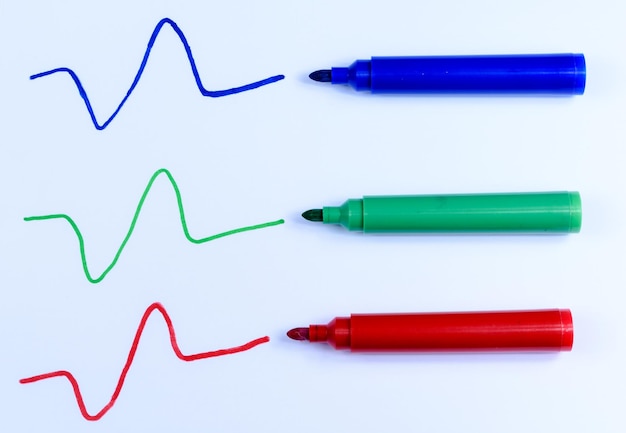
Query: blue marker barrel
{"x": 540, "y": 74}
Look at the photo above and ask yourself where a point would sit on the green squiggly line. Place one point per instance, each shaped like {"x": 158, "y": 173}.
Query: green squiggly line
{"x": 183, "y": 221}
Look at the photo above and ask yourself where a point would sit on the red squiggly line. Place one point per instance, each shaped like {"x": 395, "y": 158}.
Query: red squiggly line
{"x": 131, "y": 356}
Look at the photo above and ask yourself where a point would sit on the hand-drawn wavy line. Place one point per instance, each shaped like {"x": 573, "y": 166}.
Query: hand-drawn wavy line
{"x": 183, "y": 222}
{"x": 131, "y": 355}
{"x": 194, "y": 70}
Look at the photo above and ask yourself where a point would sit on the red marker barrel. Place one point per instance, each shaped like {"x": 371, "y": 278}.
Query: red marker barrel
{"x": 537, "y": 330}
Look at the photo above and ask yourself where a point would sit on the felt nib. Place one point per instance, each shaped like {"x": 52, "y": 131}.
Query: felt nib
{"x": 315, "y": 215}
{"x": 299, "y": 334}
{"x": 323, "y": 76}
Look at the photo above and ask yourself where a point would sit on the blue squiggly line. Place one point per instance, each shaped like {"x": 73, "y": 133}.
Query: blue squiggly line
{"x": 155, "y": 33}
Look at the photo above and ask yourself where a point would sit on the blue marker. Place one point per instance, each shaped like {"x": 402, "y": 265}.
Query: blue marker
{"x": 512, "y": 74}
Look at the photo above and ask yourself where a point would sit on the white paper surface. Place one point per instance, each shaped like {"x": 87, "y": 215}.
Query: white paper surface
{"x": 272, "y": 153}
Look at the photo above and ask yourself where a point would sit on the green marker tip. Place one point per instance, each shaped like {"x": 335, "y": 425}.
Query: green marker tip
{"x": 315, "y": 215}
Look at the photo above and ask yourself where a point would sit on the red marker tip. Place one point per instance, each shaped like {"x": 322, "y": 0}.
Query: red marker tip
{"x": 299, "y": 334}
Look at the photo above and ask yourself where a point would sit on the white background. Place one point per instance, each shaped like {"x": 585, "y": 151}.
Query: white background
{"x": 272, "y": 153}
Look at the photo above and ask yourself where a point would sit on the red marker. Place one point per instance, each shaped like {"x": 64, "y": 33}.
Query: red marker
{"x": 538, "y": 330}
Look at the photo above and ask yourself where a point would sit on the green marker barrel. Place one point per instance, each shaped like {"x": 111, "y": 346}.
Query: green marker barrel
{"x": 543, "y": 212}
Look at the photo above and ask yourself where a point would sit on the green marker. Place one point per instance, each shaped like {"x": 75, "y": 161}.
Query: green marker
{"x": 536, "y": 212}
